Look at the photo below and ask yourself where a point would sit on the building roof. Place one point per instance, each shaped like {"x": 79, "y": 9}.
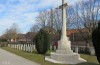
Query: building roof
{"x": 3, "y": 36}
{"x": 71, "y": 31}
{"x": 30, "y": 34}
{"x": 21, "y": 36}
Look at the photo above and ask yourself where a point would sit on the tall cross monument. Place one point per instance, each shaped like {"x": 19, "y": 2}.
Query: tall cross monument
{"x": 64, "y": 54}
{"x": 64, "y": 43}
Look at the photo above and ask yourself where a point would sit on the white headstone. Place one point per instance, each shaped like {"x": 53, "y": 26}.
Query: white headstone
{"x": 8, "y": 45}
{"x": 28, "y": 48}
{"x": 31, "y": 49}
{"x": 92, "y": 51}
{"x": 76, "y": 49}
{"x": 21, "y": 46}
{"x": 11, "y": 46}
{"x": 34, "y": 47}
{"x": 54, "y": 47}
{"x": 18, "y": 46}
{"x": 15, "y": 46}
{"x": 50, "y": 47}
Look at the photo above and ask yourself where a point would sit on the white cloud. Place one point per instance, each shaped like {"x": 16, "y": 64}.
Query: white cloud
{"x": 2, "y": 8}
{"x": 23, "y": 12}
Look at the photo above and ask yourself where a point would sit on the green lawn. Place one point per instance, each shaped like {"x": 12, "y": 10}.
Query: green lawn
{"x": 40, "y": 58}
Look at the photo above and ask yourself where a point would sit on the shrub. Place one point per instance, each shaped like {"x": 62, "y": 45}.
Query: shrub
{"x": 3, "y": 40}
{"x": 3, "y": 44}
{"x": 87, "y": 50}
{"x": 42, "y": 41}
{"x": 96, "y": 41}
{"x": 84, "y": 50}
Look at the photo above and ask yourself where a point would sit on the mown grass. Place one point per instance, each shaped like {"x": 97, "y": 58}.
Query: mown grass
{"x": 38, "y": 58}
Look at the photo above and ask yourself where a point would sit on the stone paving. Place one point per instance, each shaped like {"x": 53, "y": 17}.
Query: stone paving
{"x": 7, "y": 58}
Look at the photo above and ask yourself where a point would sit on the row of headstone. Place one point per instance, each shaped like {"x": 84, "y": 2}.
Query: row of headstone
{"x": 31, "y": 48}
{"x": 76, "y": 49}
{"x": 24, "y": 47}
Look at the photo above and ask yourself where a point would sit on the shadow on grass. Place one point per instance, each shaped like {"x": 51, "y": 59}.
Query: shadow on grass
{"x": 47, "y": 54}
{"x": 35, "y": 52}
{"x": 87, "y": 63}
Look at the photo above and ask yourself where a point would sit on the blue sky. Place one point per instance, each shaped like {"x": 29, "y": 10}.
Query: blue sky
{"x": 24, "y": 12}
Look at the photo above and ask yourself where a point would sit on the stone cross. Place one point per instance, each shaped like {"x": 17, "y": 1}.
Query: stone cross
{"x": 63, "y": 6}
{"x": 64, "y": 54}
{"x": 64, "y": 43}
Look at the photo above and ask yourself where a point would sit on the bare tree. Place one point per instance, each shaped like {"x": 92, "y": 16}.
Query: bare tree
{"x": 53, "y": 20}
{"x": 42, "y": 18}
{"x": 35, "y": 28}
{"x": 57, "y": 19}
{"x": 12, "y": 32}
{"x": 86, "y": 16}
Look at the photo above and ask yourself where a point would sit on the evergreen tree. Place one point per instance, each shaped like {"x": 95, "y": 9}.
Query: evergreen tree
{"x": 42, "y": 41}
{"x": 96, "y": 41}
